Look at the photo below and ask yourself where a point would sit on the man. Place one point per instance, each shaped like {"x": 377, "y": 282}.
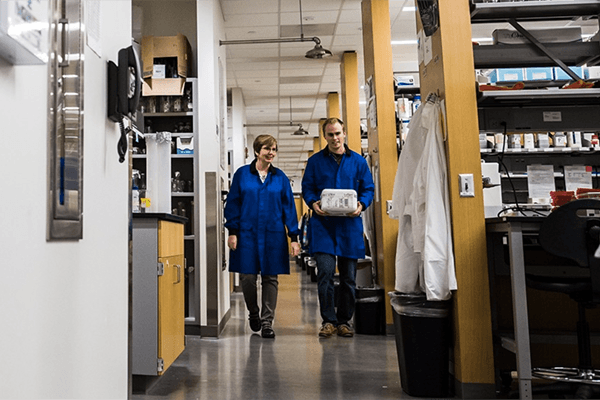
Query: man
{"x": 338, "y": 238}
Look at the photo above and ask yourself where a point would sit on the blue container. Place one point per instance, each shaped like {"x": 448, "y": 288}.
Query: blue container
{"x": 539, "y": 74}
{"x": 507, "y": 75}
{"x": 559, "y": 74}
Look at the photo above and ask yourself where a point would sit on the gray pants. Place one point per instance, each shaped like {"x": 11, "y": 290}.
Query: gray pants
{"x": 269, "y": 287}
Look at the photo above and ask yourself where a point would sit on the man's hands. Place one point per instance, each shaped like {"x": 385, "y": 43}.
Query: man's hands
{"x": 318, "y": 211}
{"x": 356, "y": 212}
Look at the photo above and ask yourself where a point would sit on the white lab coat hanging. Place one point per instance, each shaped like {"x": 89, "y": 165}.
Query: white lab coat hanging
{"x": 420, "y": 201}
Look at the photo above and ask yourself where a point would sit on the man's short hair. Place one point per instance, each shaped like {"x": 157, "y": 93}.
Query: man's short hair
{"x": 331, "y": 121}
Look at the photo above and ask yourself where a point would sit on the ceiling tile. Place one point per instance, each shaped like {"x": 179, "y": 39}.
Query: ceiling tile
{"x": 262, "y": 19}
{"x": 308, "y": 29}
{"x": 261, "y": 32}
{"x": 249, "y": 7}
{"x": 311, "y": 5}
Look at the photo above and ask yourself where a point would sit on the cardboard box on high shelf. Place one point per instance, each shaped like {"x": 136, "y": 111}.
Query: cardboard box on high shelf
{"x": 165, "y": 47}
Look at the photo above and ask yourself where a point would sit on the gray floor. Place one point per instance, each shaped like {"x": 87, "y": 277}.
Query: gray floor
{"x": 295, "y": 365}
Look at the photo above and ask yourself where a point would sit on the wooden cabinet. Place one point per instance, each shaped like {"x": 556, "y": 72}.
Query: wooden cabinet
{"x": 158, "y": 293}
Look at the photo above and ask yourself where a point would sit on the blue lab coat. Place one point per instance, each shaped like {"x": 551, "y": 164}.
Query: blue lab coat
{"x": 339, "y": 236}
{"x": 258, "y": 213}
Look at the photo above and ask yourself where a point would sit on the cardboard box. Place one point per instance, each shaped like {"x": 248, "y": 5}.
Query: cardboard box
{"x": 539, "y": 74}
{"x": 559, "y": 74}
{"x": 507, "y": 75}
{"x": 165, "y": 47}
{"x": 163, "y": 87}
{"x": 554, "y": 35}
{"x": 185, "y": 145}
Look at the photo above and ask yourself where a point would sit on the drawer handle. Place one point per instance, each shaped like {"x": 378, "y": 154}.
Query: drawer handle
{"x": 178, "y": 274}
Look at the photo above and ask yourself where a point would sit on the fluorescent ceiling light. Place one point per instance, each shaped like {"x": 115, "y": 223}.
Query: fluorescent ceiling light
{"x": 400, "y": 42}
{"x": 406, "y": 9}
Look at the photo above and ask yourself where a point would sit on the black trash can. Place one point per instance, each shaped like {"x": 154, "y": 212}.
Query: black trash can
{"x": 369, "y": 313}
{"x": 311, "y": 267}
{"x": 423, "y": 343}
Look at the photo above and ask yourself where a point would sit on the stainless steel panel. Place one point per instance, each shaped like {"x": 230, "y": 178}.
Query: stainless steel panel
{"x": 65, "y": 121}
{"x": 213, "y": 256}
{"x": 144, "y": 350}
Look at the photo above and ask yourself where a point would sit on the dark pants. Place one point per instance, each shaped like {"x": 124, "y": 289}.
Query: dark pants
{"x": 269, "y": 287}
{"x": 326, "y": 264}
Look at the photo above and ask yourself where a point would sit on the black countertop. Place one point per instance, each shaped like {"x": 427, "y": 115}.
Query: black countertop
{"x": 162, "y": 216}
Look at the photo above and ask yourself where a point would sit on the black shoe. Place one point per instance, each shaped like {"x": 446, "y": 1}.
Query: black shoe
{"x": 254, "y": 323}
{"x": 267, "y": 332}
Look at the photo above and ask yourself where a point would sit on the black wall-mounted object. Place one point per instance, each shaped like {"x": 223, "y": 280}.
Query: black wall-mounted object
{"x": 124, "y": 91}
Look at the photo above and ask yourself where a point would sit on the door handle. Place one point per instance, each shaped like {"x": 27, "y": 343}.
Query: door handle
{"x": 178, "y": 274}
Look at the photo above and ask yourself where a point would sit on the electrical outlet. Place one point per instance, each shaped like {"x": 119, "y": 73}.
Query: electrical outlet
{"x": 467, "y": 187}
{"x": 388, "y": 207}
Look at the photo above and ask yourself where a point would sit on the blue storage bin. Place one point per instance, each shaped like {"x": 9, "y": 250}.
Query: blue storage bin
{"x": 507, "y": 75}
{"x": 539, "y": 74}
{"x": 559, "y": 74}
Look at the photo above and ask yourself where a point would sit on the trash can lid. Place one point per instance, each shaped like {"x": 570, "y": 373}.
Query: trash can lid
{"x": 417, "y": 305}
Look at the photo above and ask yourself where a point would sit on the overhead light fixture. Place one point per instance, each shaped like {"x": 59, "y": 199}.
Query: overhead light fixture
{"x": 300, "y": 131}
{"x": 317, "y": 52}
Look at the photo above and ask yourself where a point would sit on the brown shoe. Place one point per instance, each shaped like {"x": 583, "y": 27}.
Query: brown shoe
{"x": 345, "y": 331}
{"x": 327, "y": 330}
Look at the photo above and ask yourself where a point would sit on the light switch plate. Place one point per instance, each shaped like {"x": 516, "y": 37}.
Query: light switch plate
{"x": 467, "y": 187}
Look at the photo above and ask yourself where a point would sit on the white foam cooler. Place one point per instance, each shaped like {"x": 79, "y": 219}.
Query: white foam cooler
{"x": 339, "y": 201}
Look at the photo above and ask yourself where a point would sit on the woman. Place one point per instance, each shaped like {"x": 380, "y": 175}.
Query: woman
{"x": 260, "y": 206}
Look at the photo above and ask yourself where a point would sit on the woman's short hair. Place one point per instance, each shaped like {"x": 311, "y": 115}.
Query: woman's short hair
{"x": 331, "y": 121}
{"x": 263, "y": 140}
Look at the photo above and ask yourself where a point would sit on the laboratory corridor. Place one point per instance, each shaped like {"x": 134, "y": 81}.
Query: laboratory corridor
{"x": 297, "y": 364}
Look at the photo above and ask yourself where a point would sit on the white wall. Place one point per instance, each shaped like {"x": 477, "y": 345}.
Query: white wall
{"x": 213, "y": 105}
{"x": 64, "y": 306}
{"x": 238, "y": 131}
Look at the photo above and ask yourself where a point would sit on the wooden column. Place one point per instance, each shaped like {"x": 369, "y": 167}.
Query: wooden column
{"x": 350, "y": 98}
{"x": 382, "y": 135}
{"x": 448, "y": 71}
{"x": 333, "y": 105}
{"x": 320, "y": 142}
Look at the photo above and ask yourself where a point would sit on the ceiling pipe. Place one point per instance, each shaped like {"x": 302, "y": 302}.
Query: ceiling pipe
{"x": 317, "y": 52}
{"x": 298, "y": 132}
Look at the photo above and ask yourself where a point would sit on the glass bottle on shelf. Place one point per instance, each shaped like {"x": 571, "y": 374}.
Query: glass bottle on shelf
{"x": 151, "y": 104}
{"x": 166, "y": 104}
{"x": 187, "y": 100}
{"x": 177, "y": 104}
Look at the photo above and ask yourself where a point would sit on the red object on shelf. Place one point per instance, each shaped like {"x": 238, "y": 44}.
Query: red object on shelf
{"x": 587, "y": 193}
{"x": 561, "y": 197}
